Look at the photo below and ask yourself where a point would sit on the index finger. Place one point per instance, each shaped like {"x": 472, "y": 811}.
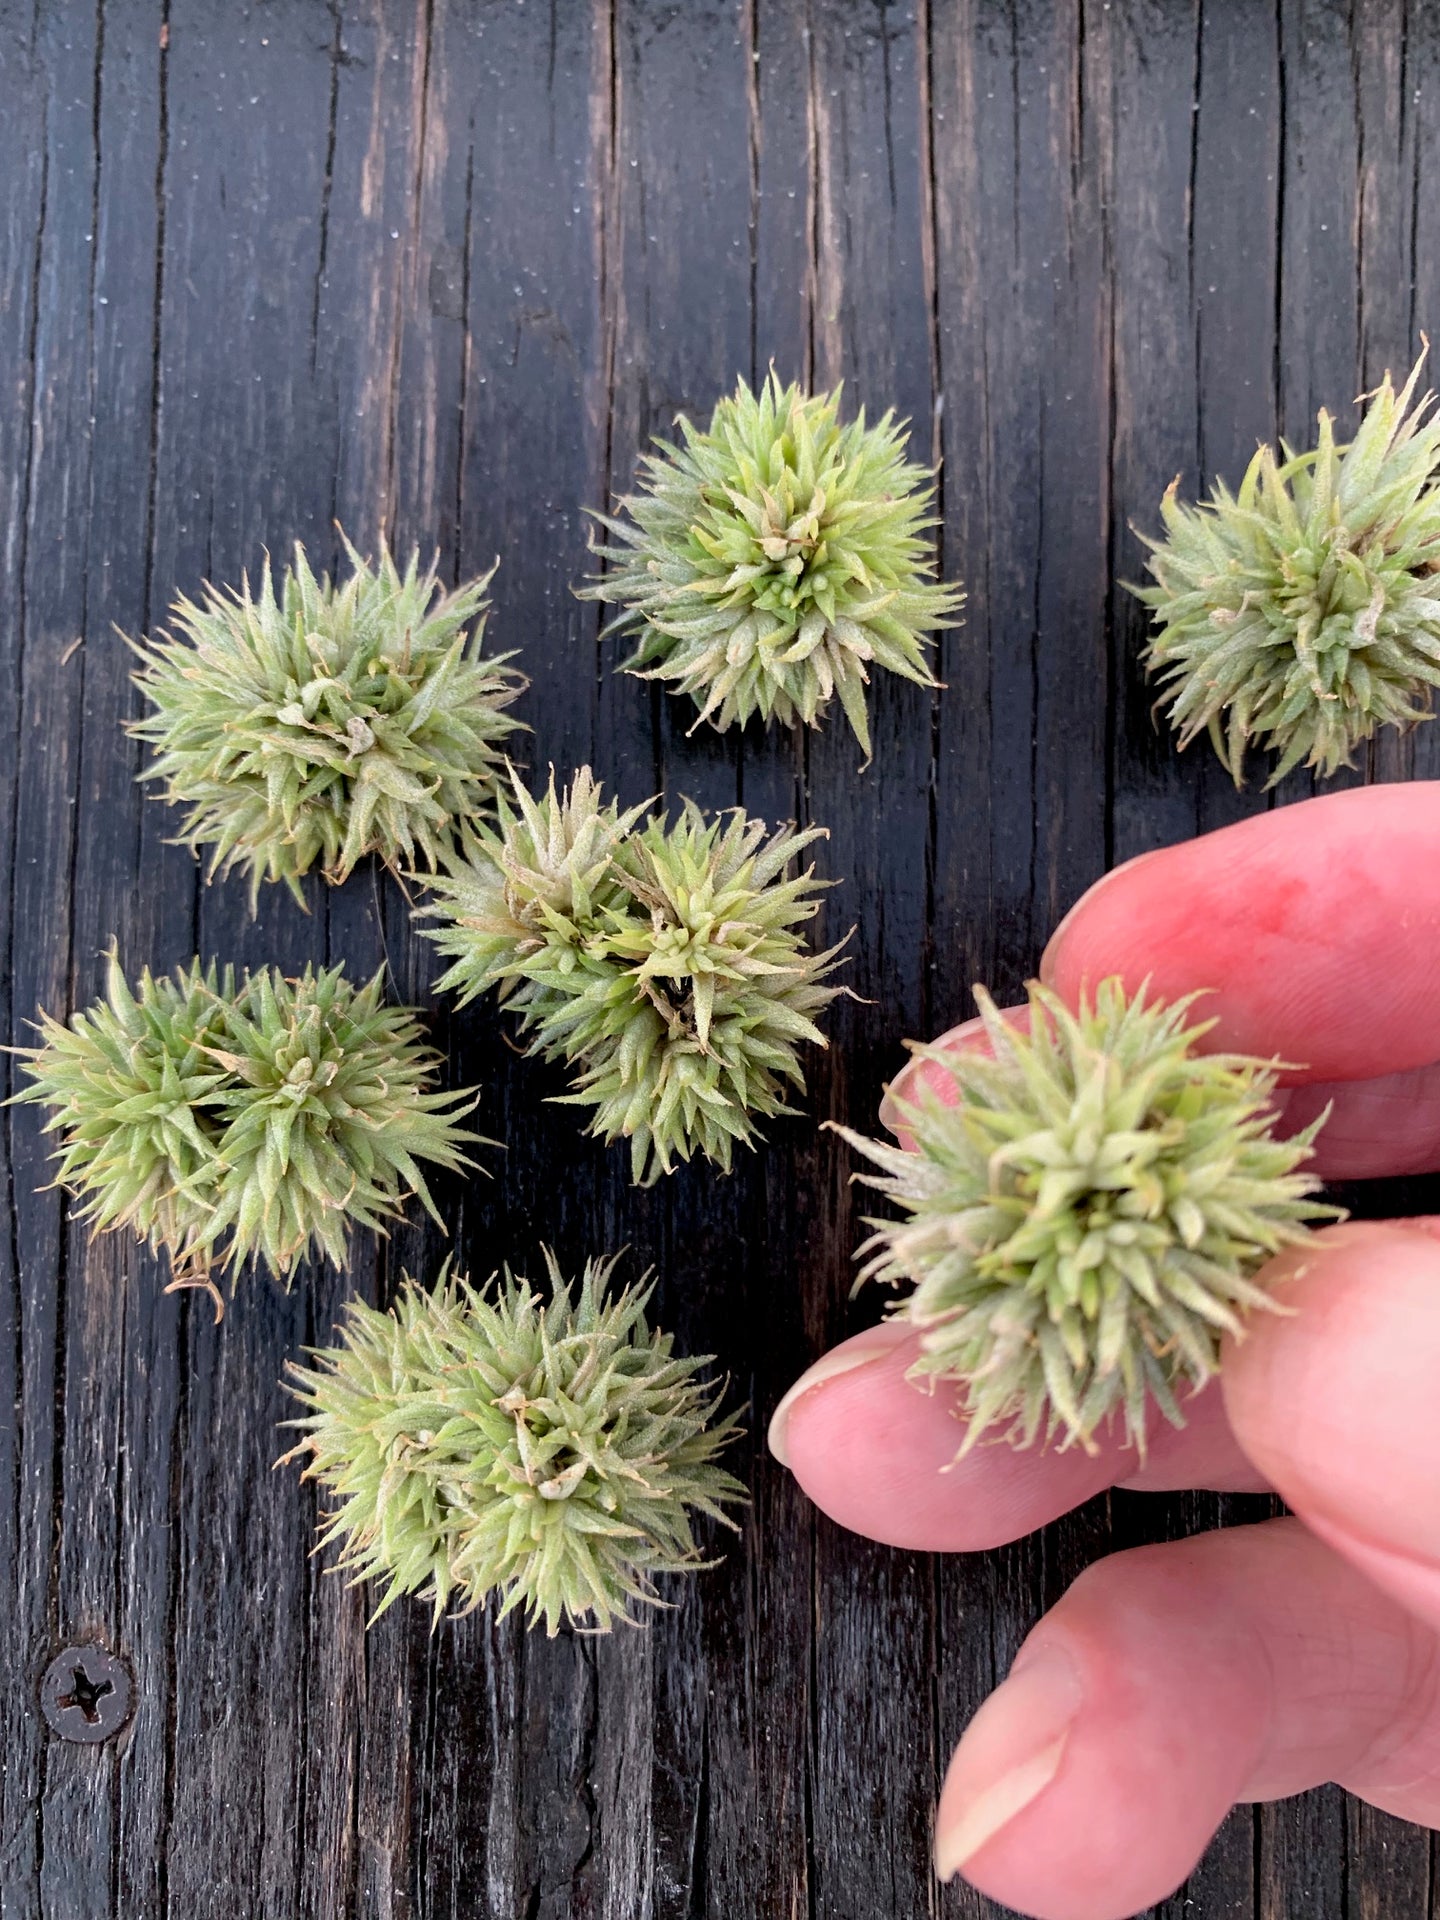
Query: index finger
{"x": 1317, "y": 927}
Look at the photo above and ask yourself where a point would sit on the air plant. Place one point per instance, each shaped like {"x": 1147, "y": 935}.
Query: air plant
{"x": 766, "y": 563}
{"x": 1084, "y": 1212}
{"x": 1303, "y": 612}
{"x": 662, "y": 960}
{"x": 553, "y": 1451}
{"x": 222, "y": 1122}
{"x": 318, "y": 723}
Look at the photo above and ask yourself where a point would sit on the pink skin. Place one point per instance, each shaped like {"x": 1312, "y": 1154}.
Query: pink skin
{"x": 1252, "y": 1663}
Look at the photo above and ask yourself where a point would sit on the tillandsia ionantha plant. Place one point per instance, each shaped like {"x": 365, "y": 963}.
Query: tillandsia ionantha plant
{"x": 1083, "y": 1224}
{"x": 1304, "y": 612}
{"x": 221, "y": 1122}
{"x": 663, "y": 960}
{"x": 553, "y": 1450}
{"x": 768, "y": 561}
{"x": 319, "y": 723}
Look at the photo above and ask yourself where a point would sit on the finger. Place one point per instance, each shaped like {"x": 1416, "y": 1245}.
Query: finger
{"x": 1169, "y": 1683}
{"x": 877, "y": 1453}
{"x": 1374, "y": 1127}
{"x": 923, "y": 1072}
{"x": 1315, "y": 925}
{"x": 1337, "y": 1402}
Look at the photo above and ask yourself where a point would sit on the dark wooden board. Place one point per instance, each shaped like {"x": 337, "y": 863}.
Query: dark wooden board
{"x": 438, "y": 268}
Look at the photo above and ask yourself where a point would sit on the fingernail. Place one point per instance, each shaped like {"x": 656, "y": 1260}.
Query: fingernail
{"x": 874, "y": 1344}
{"x": 1052, "y": 945}
{"x": 1010, "y": 1754}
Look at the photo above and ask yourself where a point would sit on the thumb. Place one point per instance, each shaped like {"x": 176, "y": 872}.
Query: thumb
{"x": 1336, "y": 1403}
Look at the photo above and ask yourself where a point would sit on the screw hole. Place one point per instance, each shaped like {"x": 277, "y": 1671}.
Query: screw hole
{"x": 86, "y": 1694}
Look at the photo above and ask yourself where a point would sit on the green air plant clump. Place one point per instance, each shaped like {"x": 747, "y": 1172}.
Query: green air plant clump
{"x": 319, "y": 723}
{"x": 221, "y": 1122}
{"x": 769, "y": 561}
{"x": 662, "y": 960}
{"x": 1083, "y": 1223}
{"x": 487, "y": 1440}
{"x": 1303, "y": 612}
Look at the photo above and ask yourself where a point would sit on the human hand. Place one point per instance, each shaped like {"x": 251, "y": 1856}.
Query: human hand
{"x": 1253, "y": 1662}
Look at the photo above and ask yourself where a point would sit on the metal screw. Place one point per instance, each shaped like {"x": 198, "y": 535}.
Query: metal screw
{"x": 86, "y": 1694}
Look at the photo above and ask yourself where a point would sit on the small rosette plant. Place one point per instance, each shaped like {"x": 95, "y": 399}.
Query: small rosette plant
{"x": 319, "y": 723}
{"x": 132, "y": 1082}
{"x": 663, "y": 961}
{"x": 1084, "y": 1211}
{"x": 224, "y": 1122}
{"x": 1303, "y": 613}
{"x": 554, "y": 1452}
{"x": 768, "y": 562}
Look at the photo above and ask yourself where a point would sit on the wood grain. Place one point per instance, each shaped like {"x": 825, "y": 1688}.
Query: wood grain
{"x": 437, "y": 269}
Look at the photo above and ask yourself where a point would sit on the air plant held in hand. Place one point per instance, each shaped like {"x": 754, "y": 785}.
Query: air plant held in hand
{"x": 480, "y": 1440}
{"x": 1083, "y": 1224}
{"x": 766, "y": 563}
{"x": 223, "y": 1122}
{"x": 321, "y": 723}
{"x": 663, "y": 961}
{"x": 1303, "y": 613}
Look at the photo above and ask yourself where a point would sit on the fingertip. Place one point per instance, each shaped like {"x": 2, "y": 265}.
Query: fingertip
{"x": 1052, "y": 959}
{"x": 923, "y": 1073}
{"x": 879, "y": 1453}
{"x": 1248, "y": 1663}
{"x": 1315, "y": 926}
{"x": 859, "y": 1351}
{"x": 1335, "y": 1400}
{"x": 1085, "y": 1787}
{"x": 926, "y": 1071}
{"x": 1012, "y": 1751}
